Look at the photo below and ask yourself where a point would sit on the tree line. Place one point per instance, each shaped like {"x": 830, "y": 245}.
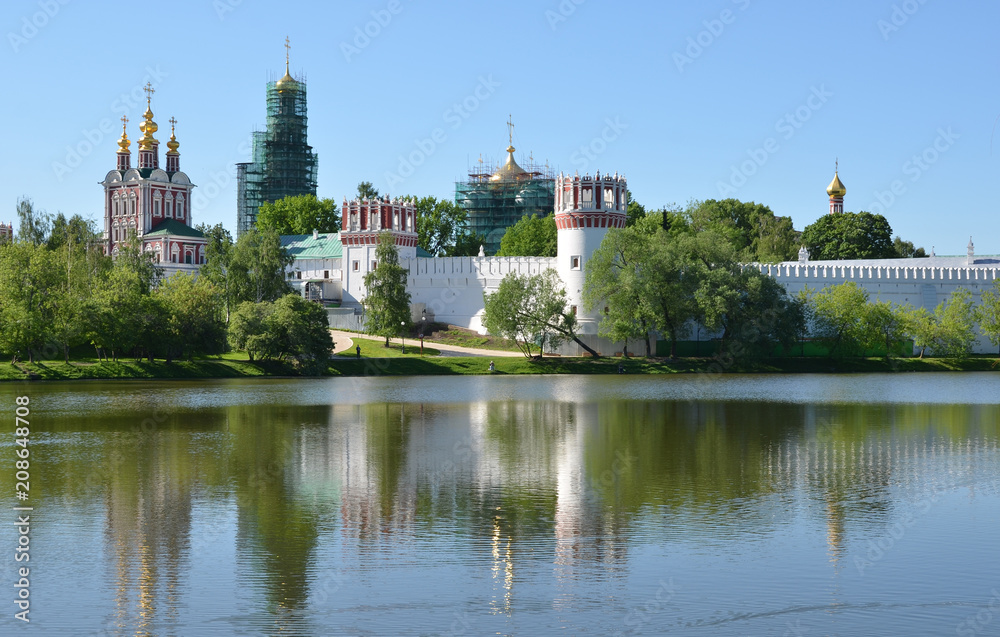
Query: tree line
{"x": 59, "y": 291}
{"x": 674, "y": 273}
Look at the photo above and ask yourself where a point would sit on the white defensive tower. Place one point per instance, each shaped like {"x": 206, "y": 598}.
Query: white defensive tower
{"x": 585, "y": 208}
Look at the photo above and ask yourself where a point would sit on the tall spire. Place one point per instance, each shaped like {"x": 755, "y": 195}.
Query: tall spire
{"x": 286, "y": 81}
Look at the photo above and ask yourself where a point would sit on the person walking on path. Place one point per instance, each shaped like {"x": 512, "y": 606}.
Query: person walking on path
{"x": 358, "y": 349}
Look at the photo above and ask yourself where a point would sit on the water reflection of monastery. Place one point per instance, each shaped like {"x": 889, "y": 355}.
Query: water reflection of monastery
{"x": 525, "y": 485}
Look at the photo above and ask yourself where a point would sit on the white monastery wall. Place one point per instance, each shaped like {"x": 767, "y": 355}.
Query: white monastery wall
{"x": 451, "y": 289}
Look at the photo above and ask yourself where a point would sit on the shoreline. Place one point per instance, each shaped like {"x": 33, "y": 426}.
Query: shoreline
{"x": 342, "y": 366}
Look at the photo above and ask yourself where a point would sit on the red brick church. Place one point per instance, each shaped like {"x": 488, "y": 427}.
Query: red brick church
{"x": 150, "y": 202}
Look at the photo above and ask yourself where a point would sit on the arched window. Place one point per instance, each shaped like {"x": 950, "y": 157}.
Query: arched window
{"x": 169, "y": 211}
{"x": 157, "y": 205}
{"x": 179, "y": 210}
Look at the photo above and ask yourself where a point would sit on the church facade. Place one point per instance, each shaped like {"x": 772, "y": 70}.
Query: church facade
{"x": 152, "y": 202}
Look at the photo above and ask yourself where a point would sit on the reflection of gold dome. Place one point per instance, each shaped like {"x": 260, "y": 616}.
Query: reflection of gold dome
{"x": 836, "y": 187}
{"x": 510, "y": 170}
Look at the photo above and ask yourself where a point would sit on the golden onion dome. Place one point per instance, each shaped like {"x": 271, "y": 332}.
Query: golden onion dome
{"x": 510, "y": 170}
{"x": 286, "y": 82}
{"x": 836, "y": 187}
{"x": 173, "y": 144}
{"x": 123, "y": 142}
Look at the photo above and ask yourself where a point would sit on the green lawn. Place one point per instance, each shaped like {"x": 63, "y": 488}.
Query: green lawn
{"x": 377, "y": 349}
{"x": 377, "y": 360}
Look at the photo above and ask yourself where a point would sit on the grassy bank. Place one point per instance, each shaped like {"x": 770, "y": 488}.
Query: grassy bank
{"x": 237, "y": 366}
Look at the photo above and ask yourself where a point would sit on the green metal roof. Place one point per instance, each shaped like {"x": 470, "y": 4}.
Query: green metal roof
{"x": 173, "y": 228}
{"x": 423, "y": 253}
{"x": 303, "y": 246}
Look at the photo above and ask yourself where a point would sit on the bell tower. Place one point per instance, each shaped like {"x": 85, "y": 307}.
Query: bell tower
{"x": 836, "y": 190}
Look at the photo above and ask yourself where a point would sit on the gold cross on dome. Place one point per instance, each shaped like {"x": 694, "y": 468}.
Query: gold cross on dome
{"x": 172, "y": 122}
{"x": 288, "y": 48}
{"x": 149, "y": 92}
{"x": 510, "y": 129}
{"x": 124, "y": 121}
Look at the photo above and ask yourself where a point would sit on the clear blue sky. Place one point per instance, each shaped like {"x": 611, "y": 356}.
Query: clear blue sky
{"x": 677, "y": 96}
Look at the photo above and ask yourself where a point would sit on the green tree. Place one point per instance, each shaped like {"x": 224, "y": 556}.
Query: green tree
{"x": 218, "y": 260}
{"x": 840, "y": 315}
{"x": 29, "y": 282}
{"x": 301, "y": 330}
{"x": 849, "y": 235}
{"x": 81, "y": 266}
{"x": 776, "y": 240}
{"x": 257, "y": 267}
{"x": 249, "y": 329}
{"x": 367, "y": 191}
{"x": 921, "y": 326}
{"x": 751, "y": 228}
{"x": 529, "y": 309}
{"x": 193, "y": 309}
{"x": 614, "y": 281}
{"x": 75, "y": 230}
{"x": 387, "y": 305}
{"x": 33, "y": 225}
{"x": 752, "y": 310}
{"x": 988, "y": 313}
{"x": 905, "y": 249}
{"x": 884, "y": 326}
{"x": 634, "y": 210}
{"x": 956, "y": 325}
{"x": 443, "y": 227}
{"x": 300, "y": 214}
{"x": 532, "y": 236}
{"x": 669, "y": 280}
{"x": 121, "y": 308}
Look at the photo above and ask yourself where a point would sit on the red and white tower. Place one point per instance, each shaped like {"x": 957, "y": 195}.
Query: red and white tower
{"x": 363, "y": 221}
{"x": 151, "y": 203}
{"x": 836, "y": 190}
{"x": 586, "y": 207}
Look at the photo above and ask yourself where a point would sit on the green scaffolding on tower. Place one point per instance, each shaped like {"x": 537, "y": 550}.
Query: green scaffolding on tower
{"x": 282, "y": 161}
{"x": 496, "y": 197}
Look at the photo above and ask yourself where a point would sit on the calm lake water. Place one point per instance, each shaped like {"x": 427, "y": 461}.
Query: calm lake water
{"x": 612, "y": 505}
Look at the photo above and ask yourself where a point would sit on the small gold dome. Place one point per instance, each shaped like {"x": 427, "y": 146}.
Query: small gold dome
{"x": 123, "y": 142}
{"x": 836, "y": 187}
{"x": 510, "y": 170}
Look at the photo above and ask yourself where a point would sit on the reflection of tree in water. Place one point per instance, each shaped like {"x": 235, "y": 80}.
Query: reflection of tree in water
{"x": 276, "y": 528}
